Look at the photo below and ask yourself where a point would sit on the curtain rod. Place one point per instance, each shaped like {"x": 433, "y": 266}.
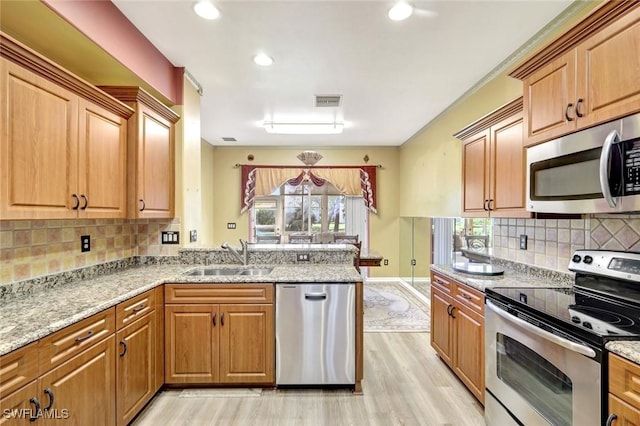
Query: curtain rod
{"x": 379, "y": 166}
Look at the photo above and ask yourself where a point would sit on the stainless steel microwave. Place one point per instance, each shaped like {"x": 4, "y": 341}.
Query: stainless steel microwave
{"x": 596, "y": 170}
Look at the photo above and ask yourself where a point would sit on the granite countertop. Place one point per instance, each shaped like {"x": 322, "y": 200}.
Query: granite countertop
{"x": 626, "y": 349}
{"x": 512, "y": 278}
{"x": 26, "y": 319}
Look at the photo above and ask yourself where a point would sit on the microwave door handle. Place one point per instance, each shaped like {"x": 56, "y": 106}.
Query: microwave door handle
{"x": 612, "y": 138}
{"x": 568, "y": 344}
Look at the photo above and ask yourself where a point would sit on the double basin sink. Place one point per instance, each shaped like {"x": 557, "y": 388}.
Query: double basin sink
{"x": 205, "y": 272}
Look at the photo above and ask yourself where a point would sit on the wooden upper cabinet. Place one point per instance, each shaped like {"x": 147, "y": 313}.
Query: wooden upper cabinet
{"x": 102, "y": 163}
{"x": 62, "y": 142}
{"x": 151, "y": 175}
{"x": 493, "y": 164}
{"x": 475, "y": 189}
{"x": 609, "y": 72}
{"x": 549, "y": 99}
{"x": 39, "y": 146}
{"x": 587, "y": 76}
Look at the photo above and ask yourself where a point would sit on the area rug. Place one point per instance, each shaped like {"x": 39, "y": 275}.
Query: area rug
{"x": 390, "y": 307}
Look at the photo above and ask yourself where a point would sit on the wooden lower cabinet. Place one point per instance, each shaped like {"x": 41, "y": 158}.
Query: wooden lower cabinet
{"x": 624, "y": 395}
{"x": 17, "y": 408}
{"x": 219, "y": 343}
{"x": 82, "y": 389}
{"x": 135, "y": 367}
{"x": 457, "y": 330}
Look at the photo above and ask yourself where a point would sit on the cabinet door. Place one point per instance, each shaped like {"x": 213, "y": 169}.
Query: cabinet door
{"x": 475, "y": 175}
{"x": 468, "y": 360}
{"x": 609, "y": 72}
{"x": 626, "y": 415}
{"x": 135, "y": 367}
{"x": 17, "y": 408}
{"x": 102, "y": 163}
{"x": 441, "y": 331}
{"x": 85, "y": 386}
{"x": 155, "y": 167}
{"x": 547, "y": 95}
{"x": 191, "y": 343}
{"x": 247, "y": 344}
{"x": 508, "y": 169}
{"x": 38, "y": 146}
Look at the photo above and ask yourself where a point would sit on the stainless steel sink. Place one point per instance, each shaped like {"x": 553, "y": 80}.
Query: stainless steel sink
{"x": 213, "y": 271}
{"x": 228, "y": 271}
{"x": 256, "y": 271}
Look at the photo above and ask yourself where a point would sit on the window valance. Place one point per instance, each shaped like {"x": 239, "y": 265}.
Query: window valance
{"x": 349, "y": 180}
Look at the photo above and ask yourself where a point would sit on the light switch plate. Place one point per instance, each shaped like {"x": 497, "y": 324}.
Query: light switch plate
{"x": 303, "y": 257}
{"x": 170, "y": 237}
{"x": 523, "y": 242}
{"x": 231, "y": 225}
{"x": 193, "y": 236}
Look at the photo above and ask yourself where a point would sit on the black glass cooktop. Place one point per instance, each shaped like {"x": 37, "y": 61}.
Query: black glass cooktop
{"x": 581, "y": 312}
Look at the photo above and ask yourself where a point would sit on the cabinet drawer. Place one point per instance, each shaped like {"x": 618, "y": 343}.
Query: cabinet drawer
{"x": 624, "y": 379}
{"x": 134, "y": 308}
{"x": 441, "y": 282}
{"x": 626, "y": 414}
{"x": 216, "y": 293}
{"x": 68, "y": 342}
{"x": 18, "y": 368}
{"x": 469, "y": 297}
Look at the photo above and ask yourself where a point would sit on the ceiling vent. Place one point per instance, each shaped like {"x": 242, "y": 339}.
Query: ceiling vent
{"x": 328, "y": 100}
{"x": 230, "y": 139}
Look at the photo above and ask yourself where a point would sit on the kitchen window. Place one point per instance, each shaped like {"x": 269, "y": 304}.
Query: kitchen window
{"x": 303, "y": 208}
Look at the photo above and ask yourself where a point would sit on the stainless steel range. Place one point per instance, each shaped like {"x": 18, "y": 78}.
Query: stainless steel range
{"x": 545, "y": 358}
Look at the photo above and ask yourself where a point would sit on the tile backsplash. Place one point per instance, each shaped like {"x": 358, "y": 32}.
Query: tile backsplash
{"x": 551, "y": 242}
{"x": 32, "y": 248}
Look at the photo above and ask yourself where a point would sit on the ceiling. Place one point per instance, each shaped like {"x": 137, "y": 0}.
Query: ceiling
{"x": 394, "y": 77}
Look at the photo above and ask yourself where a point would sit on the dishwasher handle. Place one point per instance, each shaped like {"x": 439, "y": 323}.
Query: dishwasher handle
{"x": 315, "y": 296}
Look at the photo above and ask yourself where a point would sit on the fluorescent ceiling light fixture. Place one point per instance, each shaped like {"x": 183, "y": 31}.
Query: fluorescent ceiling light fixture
{"x": 400, "y": 11}
{"x": 205, "y": 9}
{"x": 263, "y": 60}
{"x": 303, "y": 128}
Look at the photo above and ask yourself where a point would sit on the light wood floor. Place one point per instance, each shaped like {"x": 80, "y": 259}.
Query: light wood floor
{"x": 405, "y": 384}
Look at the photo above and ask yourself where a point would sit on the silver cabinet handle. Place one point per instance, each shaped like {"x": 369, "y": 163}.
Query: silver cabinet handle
{"x": 612, "y": 138}
{"x": 85, "y": 337}
{"x": 315, "y": 296}
{"x": 572, "y": 346}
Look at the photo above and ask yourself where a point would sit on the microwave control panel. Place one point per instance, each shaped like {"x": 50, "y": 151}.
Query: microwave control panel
{"x": 632, "y": 167}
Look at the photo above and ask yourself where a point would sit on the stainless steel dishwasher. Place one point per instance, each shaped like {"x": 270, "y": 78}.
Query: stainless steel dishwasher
{"x": 315, "y": 334}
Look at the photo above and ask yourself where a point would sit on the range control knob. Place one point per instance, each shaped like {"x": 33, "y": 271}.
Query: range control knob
{"x": 576, "y": 319}
{"x": 587, "y": 325}
{"x": 576, "y": 258}
{"x": 588, "y": 260}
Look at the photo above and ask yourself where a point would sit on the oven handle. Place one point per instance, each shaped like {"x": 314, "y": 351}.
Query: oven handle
{"x": 575, "y": 347}
{"x": 612, "y": 138}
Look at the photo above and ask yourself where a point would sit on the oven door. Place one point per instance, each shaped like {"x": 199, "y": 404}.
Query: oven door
{"x": 540, "y": 378}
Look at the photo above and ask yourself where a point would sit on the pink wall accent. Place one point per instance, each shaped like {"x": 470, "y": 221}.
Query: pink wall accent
{"x": 103, "y": 23}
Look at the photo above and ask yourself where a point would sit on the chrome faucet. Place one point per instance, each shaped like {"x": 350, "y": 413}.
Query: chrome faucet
{"x": 243, "y": 256}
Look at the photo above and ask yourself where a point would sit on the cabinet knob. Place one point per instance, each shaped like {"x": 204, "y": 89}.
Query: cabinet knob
{"x": 485, "y": 206}
{"x": 86, "y": 202}
{"x": 490, "y": 205}
{"x": 214, "y": 319}
{"x": 143, "y": 205}
{"x": 566, "y": 112}
{"x": 49, "y": 393}
{"x": 578, "y": 113}
{"x": 452, "y": 309}
{"x": 85, "y": 337}
{"x": 75, "y": 207}
{"x": 612, "y": 417}
{"x": 124, "y": 348}
{"x": 222, "y": 319}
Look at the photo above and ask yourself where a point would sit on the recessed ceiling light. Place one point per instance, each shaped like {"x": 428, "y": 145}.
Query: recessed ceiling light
{"x": 205, "y": 9}
{"x": 400, "y": 11}
{"x": 263, "y": 60}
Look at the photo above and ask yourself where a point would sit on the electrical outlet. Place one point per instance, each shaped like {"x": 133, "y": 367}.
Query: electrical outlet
{"x": 386, "y": 262}
{"x": 413, "y": 262}
{"x": 193, "y": 236}
{"x": 170, "y": 237}
{"x": 523, "y": 242}
{"x": 231, "y": 225}
{"x": 303, "y": 257}
{"x": 85, "y": 243}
